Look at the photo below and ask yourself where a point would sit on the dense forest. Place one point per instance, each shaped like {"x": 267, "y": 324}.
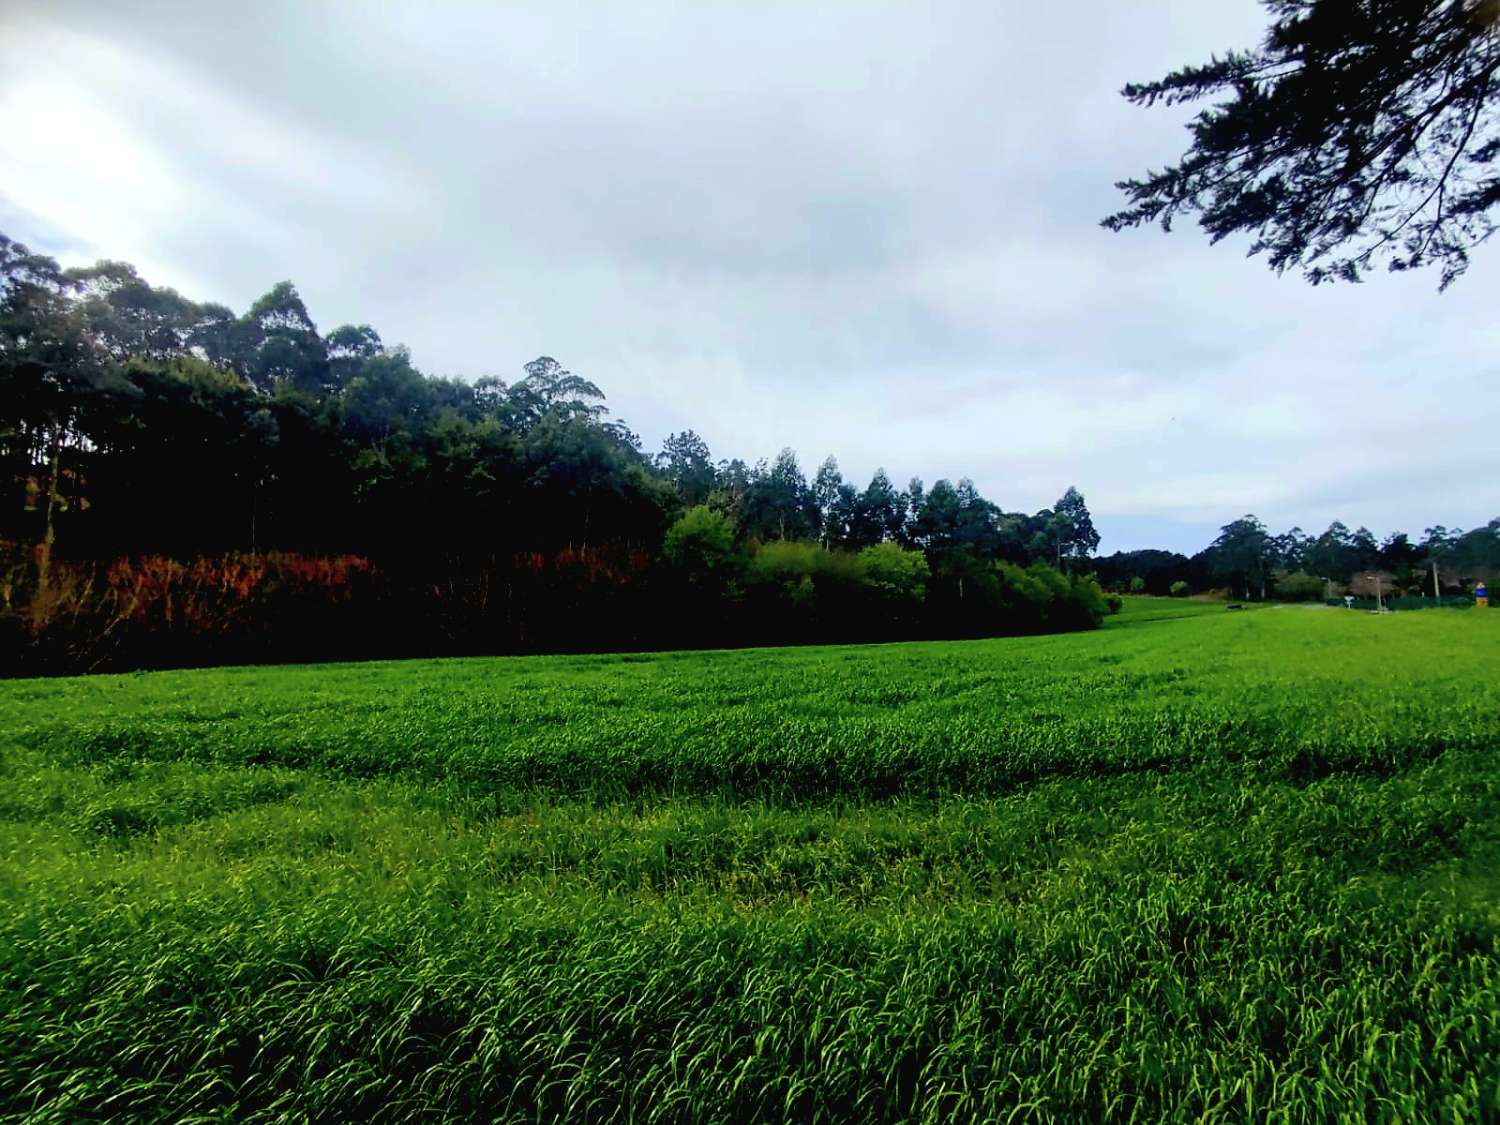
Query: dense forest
{"x": 185, "y": 484}
{"x": 182, "y": 483}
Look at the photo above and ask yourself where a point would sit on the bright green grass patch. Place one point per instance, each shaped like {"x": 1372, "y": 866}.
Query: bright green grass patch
{"x": 1195, "y": 865}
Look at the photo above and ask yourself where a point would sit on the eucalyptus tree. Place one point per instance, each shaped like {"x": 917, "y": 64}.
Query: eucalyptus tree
{"x": 686, "y": 461}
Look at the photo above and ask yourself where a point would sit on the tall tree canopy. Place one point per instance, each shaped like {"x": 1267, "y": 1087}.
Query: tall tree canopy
{"x": 1360, "y": 131}
{"x": 1073, "y": 527}
{"x": 1243, "y": 555}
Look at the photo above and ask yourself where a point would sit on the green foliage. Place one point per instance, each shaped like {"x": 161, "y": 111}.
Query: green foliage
{"x": 1137, "y": 585}
{"x": 1156, "y": 569}
{"x": 685, "y": 461}
{"x": 1044, "y": 598}
{"x": 1072, "y": 527}
{"x": 785, "y": 563}
{"x": 136, "y": 424}
{"x": 1180, "y": 589}
{"x": 1299, "y": 586}
{"x": 1242, "y": 557}
{"x": 701, "y": 544}
{"x": 1355, "y": 133}
{"x": 777, "y": 502}
{"x": 1193, "y": 863}
{"x": 896, "y": 575}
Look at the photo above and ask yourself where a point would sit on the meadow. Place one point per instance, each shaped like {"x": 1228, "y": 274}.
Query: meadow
{"x": 1195, "y": 865}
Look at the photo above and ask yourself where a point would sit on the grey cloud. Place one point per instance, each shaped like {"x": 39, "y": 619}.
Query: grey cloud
{"x": 862, "y": 229}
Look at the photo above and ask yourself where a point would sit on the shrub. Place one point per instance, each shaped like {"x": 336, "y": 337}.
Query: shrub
{"x": 1114, "y": 603}
{"x": 1299, "y": 586}
{"x": 785, "y": 563}
{"x": 894, "y": 574}
{"x": 701, "y": 544}
{"x": 1137, "y": 585}
{"x": 1041, "y": 598}
{"x": 1179, "y": 589}
{"x": 155, "y": 610}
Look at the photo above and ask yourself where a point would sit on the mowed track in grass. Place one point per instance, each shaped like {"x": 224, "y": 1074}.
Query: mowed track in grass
{"x": 1195, "y": 865}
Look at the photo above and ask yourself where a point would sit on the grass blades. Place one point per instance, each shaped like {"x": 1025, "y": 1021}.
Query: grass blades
{"x": 1196, "y": 866}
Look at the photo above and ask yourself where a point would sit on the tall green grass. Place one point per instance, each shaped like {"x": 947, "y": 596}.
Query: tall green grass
{"x": 1195, "y": 866}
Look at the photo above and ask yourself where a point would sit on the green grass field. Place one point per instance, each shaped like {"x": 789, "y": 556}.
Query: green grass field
{"x": 1194, "y": 866}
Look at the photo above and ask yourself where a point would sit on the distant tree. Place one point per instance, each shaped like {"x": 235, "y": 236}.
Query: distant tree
{"x": 127, "y": 317}
{"x": 1403, "y": 558}
{"x": 1010, "y": 535}
{"x": 551, "y": 391}
{"x": 1040, "y": 535}
{"x": 956, "y": 528}
{"x": 1332, "y": 554}
{"x": 1439, "y": 540}
{"x": 977, "y": 523}
{"x": 276, "y": 342}
{"x": 1438, "y": 546}
{"x": 888, "y": 504}
{"x": 386, "y": 405}
{"x": 843, "y": 520}
{"x": 685, "y": 460}
{"x": 1180, "y": 589}
{"x": 1073, "y": 531}
{"x": 1243, "y": 556}
{"x": 348, "y": 346}
{"x": 914, "y": 497}
{"x": 1137, "y": 585}
{"x": 731, "y": 482}
{"x": 825, "y": 489}
{"x": 1365, "y": 549}
{"x": 935, "y": 527}
{"x": 219, "y": 337}
{"x": 1159, "y": 569}
{"x": 1291, "y": 548}
{"x": 1359, "y": 131}
{"x": 879, "y": 513}
{"x": 778, "y": 502}
{"x": 1477, "y": 552}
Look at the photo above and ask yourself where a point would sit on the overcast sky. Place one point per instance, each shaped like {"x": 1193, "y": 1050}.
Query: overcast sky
{"x": 866, "y": 229}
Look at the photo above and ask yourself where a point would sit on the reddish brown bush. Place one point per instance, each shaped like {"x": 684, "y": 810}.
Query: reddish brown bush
{"x": 154, "y": 609}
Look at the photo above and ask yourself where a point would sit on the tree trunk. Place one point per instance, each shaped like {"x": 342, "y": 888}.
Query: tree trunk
{"x": 49, "y": 535}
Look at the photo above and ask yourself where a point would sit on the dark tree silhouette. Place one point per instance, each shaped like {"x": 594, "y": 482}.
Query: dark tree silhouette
{"x": 1360, "y": 131}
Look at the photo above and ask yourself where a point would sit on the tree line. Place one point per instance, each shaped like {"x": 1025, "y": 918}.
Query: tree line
{"x": 1248, "y": 561}
{"x": 182, "y": 482}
